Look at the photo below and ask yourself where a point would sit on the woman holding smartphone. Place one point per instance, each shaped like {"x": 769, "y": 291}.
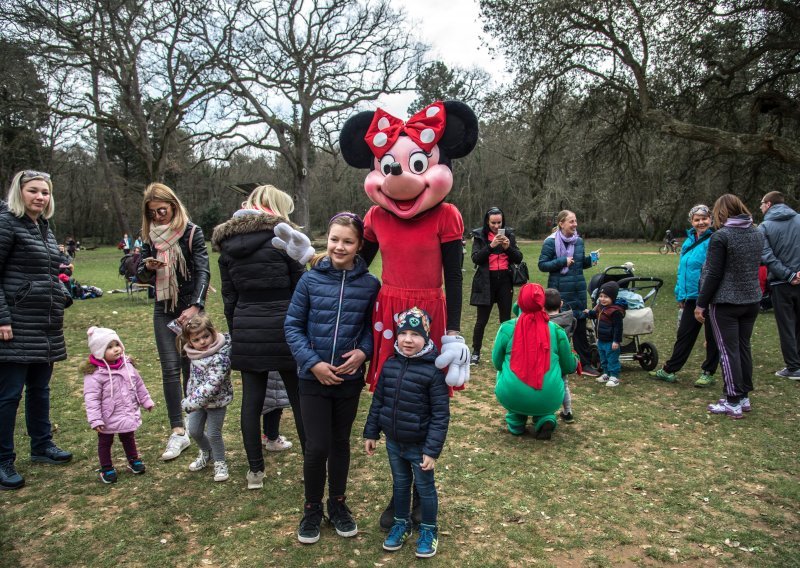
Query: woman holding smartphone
{"x": 494, "y": 249}
{"x": 174, "y": 259}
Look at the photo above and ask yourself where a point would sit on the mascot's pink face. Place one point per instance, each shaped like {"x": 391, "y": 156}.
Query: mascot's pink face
{"x": 407, "y": 180}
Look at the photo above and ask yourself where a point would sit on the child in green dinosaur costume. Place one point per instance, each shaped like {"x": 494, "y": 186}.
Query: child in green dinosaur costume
{"x": 531, "y": 354}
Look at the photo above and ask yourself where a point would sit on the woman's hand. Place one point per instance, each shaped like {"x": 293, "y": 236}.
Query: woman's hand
{"x": 326, "y": 374}
{"x": 681, "y": 305}
{"x": 369, "y": 446}
{"x": 428, "y": 463}
{"x": 504, "y": 242}
{"x": 700, "y": 315}
{"x": 496, "y": 241}
{"x": 187, "y": 315}
{"x": 152, "y": 264}
{"x": 570, "y": 261}
{"x": 5, "y": 333}
{"x": 354, "y": 360}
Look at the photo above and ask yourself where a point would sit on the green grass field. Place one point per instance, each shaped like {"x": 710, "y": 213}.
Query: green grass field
{"x": 643, "y": 477}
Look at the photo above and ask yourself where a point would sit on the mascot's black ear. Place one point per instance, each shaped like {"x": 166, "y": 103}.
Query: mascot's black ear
{"x": 355, "y": 150}
{"x": 461, "y": 132}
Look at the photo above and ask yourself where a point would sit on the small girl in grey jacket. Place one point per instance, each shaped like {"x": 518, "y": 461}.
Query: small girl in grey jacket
{"x": 208, "y": 392}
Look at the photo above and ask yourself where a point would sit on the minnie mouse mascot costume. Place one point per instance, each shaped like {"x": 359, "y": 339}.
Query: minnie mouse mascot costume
{"x": 418, "y": 234}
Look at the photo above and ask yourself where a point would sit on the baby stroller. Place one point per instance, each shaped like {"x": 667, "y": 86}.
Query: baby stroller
{"x": 640, "y": 293}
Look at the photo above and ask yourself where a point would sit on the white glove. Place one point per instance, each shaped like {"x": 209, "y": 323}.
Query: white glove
{"x": 455, "y": 354}
{"x": 295, "y": 243}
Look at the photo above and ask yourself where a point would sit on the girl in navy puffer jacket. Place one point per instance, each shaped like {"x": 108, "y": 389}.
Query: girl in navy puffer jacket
{"x": 329, "y": 330}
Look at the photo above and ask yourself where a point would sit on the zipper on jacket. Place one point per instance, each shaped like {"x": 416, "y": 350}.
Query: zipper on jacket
{"x": 50, "y": 278}
{"x": 338, "y": 317}
{"x": 402, "y": 376}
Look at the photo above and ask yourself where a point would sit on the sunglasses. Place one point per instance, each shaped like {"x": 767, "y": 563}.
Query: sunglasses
{"x": 160, "y": 212}
{"x": 33, "y": 174}
{"x": 494, "y": 211}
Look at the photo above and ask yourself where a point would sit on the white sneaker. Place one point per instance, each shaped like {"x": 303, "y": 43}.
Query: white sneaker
{"x": 255, "y": 479}
{"x": 201, "y": 462}
{"x": 612, "y": 382}
{"x": 602, "y": 378}
{"x": 220, "y": 471}
{"x": 276, "y": 445}
{"x": 175, "y": 445}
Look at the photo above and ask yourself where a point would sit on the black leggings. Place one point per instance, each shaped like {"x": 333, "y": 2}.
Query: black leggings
{"x": 172, "y": 363}
{"x": 501, "y": 292}
{"x": 254, "y": 388}
{"x": 328, "y": 416}
{"x": 688, "y": 330}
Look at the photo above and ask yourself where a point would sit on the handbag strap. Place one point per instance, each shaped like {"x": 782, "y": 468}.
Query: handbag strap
{"x": 697, "y": 242}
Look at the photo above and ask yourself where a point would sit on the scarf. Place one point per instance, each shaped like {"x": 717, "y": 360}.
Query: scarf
{"x": 165, "y": 242}
{"x": 530, "y": 347}
{"x": 194, "y": 354}
{"x": 739, "y": 222}
{"x": 565, "y": 246}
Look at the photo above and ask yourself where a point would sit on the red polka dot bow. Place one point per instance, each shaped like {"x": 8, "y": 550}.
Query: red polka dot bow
{"x": 425, "y": 128}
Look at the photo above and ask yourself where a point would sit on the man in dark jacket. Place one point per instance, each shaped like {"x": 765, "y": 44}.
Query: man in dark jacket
{"x": 781, "y": 255}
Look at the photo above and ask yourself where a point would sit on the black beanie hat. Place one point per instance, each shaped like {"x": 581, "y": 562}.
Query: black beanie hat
{"x": 610, "y": 289}
{"x": 415, "y": 319}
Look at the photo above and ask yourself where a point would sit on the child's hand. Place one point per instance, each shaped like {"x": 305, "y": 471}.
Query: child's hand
{"x": 615, "y": 346}
{"x": 369, "y": 446}
{"x": 354, "y": 360}
{"x": 428, "y": 463}
{"x": 99, "y": 429}
{"x": 326, "y": 373}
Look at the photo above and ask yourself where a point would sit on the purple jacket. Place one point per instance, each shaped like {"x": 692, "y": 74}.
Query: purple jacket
{"x": 113, "y": 398}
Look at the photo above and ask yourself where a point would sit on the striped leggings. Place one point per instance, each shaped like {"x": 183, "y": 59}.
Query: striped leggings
{"x": 733, "y": 326}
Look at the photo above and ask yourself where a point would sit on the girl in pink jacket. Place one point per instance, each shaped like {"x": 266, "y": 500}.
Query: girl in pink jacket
{"x": 113, "y": 391}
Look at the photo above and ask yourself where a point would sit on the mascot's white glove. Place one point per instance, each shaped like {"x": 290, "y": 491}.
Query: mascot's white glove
{"x": 455, "y": 354}
{"x": 295, "y": 243}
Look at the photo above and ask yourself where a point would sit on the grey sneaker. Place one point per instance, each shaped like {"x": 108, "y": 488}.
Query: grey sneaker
{"x": 255, "y": 480}
{"x": 175, "y": 445}
{"x": 612, "y": 382}
{"x": 9, "y": 477}
{"x": 733, "y": 411}
{"x": 744, "y": 403}
{"x": 220, "y": 471}
{"x": 201, "y": 462}
{"x": 602, "y": 378}
{"x": 786, "y": 373}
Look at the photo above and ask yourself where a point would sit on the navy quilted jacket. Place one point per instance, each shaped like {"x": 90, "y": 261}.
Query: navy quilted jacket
{"x": 411, "y": 403}
{"x": 331, "y": 314}
{"x": 32, "y": 299}
{"x": 571, "y": 285}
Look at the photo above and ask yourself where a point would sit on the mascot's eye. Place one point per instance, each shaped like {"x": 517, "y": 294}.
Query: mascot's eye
{"x": 386, "y": 164}
{"x": 418, "y": 162}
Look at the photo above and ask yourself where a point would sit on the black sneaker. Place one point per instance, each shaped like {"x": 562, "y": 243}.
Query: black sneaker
{"x": 545, "y": 432}
{"x": 52, "y": 454}
{"x": 108, "y": 475}
{"x": 567, "y": 417}
{"x": 136, "y": 466}
{"x": 590, "y": 371}
{"x": 9, "y": 478}
{"x": 475, "y": 359}
{"x": 341, "y": 517}
{"x": 308, "y": 533}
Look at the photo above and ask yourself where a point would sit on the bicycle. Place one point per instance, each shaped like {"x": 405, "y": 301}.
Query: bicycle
{"x": 669, "y": 246}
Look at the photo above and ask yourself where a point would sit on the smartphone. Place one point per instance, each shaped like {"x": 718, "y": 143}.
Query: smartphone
{"x": 501, "y": 232}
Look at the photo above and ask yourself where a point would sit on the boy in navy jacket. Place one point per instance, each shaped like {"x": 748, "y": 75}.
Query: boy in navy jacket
{"x": 411, "y": 406}
{"x": 609, "y": 312}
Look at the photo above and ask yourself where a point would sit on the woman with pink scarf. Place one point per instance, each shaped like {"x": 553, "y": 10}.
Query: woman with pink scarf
{"x": 563, "y": 257}
{"x": 175, "y": 261}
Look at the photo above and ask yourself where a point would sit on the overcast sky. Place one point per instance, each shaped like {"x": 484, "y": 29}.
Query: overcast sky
{"x": 455, "y": 34}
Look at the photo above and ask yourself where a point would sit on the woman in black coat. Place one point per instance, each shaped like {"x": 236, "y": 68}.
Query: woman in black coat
{"x": 494, "y": 249}
{"x": 32, "y": 306}
{"x": 175, "y": 260}
{"x": 257, "y": 284}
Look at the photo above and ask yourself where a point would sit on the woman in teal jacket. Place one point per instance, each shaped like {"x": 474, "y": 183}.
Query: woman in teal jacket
{"x": 693, "y": 256}
{"x": 531, "y": 355}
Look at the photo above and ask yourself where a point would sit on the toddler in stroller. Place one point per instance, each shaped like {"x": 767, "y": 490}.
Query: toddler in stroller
{"x": 640, "y": 294}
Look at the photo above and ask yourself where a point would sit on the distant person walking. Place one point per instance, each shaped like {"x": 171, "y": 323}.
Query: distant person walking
{"x": 32, "y": 302}
{"x": 494, "y": 249}
{"x": 563, "y": 257}
{"x": 781, "y": 255}
{"x": 730, "y": 297}
{"x": 175, "y": 260}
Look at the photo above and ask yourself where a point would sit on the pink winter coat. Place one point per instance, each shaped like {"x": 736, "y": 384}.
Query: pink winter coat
{"x": 113, "y": 398}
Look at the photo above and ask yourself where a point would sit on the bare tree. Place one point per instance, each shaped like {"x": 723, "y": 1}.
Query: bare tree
{"x": 668, "y": 57}
{"x": 293, "y": 65}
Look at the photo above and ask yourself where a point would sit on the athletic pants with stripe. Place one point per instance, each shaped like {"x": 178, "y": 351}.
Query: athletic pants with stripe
{"x": 733, "y": 327}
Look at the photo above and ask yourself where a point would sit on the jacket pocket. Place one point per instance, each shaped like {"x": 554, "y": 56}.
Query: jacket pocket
{"x": 22, "y": 292}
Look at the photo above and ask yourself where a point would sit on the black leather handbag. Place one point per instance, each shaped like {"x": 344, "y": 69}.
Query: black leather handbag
{"x": 519, "y": 274}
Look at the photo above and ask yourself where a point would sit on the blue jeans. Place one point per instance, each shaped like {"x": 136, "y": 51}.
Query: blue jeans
{"x": 405, "y": 460}
{"x": 609, "y": 358}
{"x": 35, "y": 379}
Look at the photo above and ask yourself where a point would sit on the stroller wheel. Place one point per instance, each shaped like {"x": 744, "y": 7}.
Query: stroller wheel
{"x": 648, "y": 356}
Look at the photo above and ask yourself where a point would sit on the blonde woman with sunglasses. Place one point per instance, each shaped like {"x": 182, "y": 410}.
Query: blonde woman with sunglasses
{"x": 32, "y": 306}
{"x": 175, "y": 261}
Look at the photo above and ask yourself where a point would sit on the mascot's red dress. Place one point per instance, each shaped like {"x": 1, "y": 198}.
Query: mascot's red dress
{"x": 419, "y": 236}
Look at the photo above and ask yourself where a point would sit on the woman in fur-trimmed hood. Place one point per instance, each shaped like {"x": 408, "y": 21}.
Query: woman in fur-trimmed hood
{"x": 257, "y": 284}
